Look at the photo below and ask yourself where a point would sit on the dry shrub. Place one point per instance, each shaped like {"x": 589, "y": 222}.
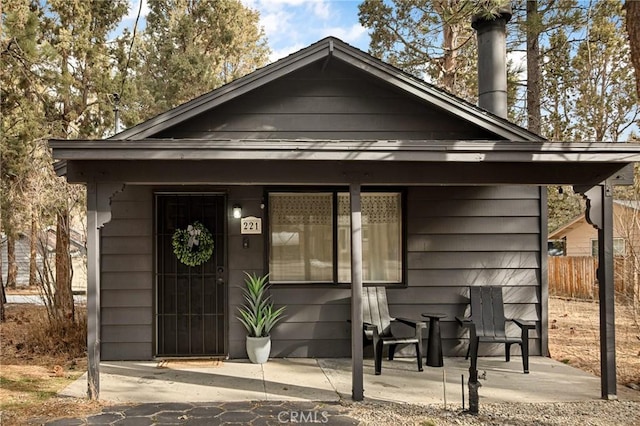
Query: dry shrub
{"x": 46, "y": 336}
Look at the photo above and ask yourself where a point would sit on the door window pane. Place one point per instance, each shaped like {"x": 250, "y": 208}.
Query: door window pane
{"x": 301, "y": 232}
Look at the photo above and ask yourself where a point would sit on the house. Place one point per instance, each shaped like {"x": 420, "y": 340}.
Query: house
{"x": 22, "y": 253}
{"x": 448, "y": 196}
{"x": 579, "y": 238}
{"x": 46, "y": 244}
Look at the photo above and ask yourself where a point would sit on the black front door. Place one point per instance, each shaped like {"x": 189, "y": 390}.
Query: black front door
{"x": 191, "y": 300}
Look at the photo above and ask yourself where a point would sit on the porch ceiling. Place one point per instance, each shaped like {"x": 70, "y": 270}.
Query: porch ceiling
{"x": 397, "y": 162}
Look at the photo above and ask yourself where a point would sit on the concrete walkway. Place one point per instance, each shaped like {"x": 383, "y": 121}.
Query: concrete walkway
{"x": 309, "y": 391}
{"x": 329, "y": 380}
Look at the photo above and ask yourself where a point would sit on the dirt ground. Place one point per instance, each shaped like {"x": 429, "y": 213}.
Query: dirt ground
{"x": 29, "y": 379}
{"x": 574, "y": 338}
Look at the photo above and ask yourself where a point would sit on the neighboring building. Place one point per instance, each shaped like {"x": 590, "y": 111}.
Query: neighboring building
{"x": 23, "y": 249}
{"x": 579, "y": 238}
{"x": 22, "y": 252}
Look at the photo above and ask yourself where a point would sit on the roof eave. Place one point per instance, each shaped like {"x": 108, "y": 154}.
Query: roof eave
{"x": 427, "y": 151}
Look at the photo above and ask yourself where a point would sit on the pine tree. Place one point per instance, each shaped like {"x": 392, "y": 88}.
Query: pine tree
{"x": 606, "y": 105}
{"x": 632, "y": 8}
{"x": 557, "y": 90}
{"x": 429, "y": 39}
{"x": 532, "y": 27}
{"x": 80, "y": 81}
{"x": 21, "y": 118}
{"x": 190, "y": 47}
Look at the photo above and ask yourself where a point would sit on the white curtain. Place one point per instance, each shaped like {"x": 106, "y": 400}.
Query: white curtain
{"x": 301, "y": 226}
{"x": 381, "y": 237}
{"x": 301, "y": 237}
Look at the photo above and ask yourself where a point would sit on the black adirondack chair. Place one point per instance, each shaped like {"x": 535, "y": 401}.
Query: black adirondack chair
{"x": 377, "y": 327}
{"x": 487, "y": 324}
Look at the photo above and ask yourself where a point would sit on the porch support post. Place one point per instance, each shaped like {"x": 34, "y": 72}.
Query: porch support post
{"x": 93, "y": 293}
{"x": 357, "y": 390}
{"x": 98, "y": 213}
{"x": 600, "y": 214}
{"x": 606, "y": 293}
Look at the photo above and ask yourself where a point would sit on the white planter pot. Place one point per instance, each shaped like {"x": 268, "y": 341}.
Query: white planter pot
{"x": 258, "y": 349}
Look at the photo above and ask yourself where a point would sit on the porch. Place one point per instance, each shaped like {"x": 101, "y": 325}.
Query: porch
{"x": 329, "y": 379}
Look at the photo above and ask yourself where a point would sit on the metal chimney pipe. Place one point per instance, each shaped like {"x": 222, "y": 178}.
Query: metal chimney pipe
{"x": 492, "y": 61}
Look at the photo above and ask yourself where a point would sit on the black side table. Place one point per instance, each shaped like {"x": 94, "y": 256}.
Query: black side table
{"x": 434, "y": 346}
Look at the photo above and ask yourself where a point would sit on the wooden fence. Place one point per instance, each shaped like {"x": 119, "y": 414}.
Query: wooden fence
{"x": 575, "y": 277}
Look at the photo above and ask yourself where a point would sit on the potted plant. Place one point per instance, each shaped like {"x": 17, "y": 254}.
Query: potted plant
{"x": 258, "y": 316}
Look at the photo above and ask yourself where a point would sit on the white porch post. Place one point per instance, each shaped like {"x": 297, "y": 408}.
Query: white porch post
{"x": 357, "y": 390}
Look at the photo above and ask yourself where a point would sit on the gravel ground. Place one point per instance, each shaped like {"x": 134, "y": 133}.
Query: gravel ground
{"x": 591, "y": 413}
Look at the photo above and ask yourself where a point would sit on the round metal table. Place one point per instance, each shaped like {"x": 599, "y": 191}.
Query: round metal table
{"x": 434, "y": 346}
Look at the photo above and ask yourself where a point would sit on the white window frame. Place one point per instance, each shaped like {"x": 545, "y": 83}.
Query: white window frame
{"x": 619, "y": 247}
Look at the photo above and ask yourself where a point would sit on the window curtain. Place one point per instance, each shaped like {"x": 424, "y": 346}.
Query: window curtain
{"x": 301, "y": 232}
{"x": 301, "y": 227}
{"x": 381, "y": 237}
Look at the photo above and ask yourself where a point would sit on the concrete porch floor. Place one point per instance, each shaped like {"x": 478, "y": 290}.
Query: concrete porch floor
{"x": 303, "y": 379}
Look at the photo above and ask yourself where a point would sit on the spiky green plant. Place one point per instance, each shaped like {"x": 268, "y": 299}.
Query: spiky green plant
{"x": 258, "y": 314}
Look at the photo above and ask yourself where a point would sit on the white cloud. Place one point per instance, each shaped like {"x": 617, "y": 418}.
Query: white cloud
{"x": 351, "y": 34}
{"x": 132, "y": 13}
{"x": 293, "y": 24}
{"x": 518, "y": 63}
{"x": 319, "y": 7}
{"x": 276, "y": 23}
{"x": 285, "y": 51}
{"x": 321, "y": 10}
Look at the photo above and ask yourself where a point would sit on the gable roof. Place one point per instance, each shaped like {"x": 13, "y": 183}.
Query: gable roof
{"x": 516, "y": 157}
{"x": 580, "y": 219}
{"x": 577, "y": 220}
{"x": 328, "y": 49}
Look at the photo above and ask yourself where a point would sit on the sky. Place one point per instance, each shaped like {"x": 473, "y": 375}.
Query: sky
{"x": 291, "y": 25}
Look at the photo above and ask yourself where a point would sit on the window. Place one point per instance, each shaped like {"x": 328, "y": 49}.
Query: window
{"x": 310, "y": 237}
{"x": 619, "y": 247}
{"x": 557, "y": 247}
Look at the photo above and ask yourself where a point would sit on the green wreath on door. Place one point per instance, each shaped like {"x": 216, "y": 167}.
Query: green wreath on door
{"x": 193, "y": 246}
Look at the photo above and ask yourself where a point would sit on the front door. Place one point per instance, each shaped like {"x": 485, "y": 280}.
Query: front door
{"x": 190, "y": 300}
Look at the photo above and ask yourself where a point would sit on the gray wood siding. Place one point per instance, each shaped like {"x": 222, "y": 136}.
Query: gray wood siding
{"x": 22, "y": 253}
{"x": 127, "y": 277}
{"x": 463, "y": 236}
{"x": 335, "y": 101}
{"x": 457, "y": 237}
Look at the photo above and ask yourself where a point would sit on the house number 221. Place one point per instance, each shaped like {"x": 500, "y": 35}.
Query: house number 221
{"x": 251, "y": 225}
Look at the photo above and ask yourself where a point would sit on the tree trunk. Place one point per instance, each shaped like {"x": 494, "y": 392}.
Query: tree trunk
{"x": 12, "y": 273}
{"x": 3, "y": 296}
{"x": 33, "y": 253}
{"x": 533, "y": 67}
{"x": 63, "y": 297}
{"x": 633, "y": 29}
{"x": 449, "y": 41}
{"x": 2, "y": 302}
{"x": 4, "y": 299}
